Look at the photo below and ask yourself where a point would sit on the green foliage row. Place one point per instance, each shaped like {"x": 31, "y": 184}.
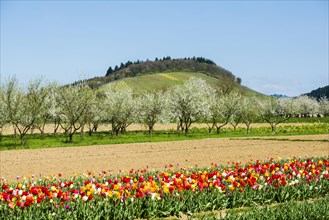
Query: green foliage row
{"x": 10, "y": 142}
{"x": 128, "y": 63}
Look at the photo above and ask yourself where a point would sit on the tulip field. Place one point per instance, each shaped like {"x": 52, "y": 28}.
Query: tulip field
{"x": 189, "y": 191}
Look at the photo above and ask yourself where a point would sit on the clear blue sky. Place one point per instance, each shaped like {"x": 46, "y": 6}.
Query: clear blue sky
{"x": 274, "y": 46}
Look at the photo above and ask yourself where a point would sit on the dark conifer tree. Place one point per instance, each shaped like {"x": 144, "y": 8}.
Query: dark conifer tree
{"x": 109, "y": 71}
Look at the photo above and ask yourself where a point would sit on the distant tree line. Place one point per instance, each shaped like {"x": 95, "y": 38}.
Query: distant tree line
{"x": 279, "y": 96}
{"x": 168, "y": 58}
{"x": 319, "y": 93}
{"x": 166, "y": 64}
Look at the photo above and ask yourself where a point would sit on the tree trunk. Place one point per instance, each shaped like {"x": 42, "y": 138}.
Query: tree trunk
{"x": 90, "y": 129}
{"x": 180, "y": 126}
{"x": 43, "y": 130}
{"x": 150, "y": 130}
{"x": 15, "y": 131}
{"x": 123, "y": 129}
{"x": 42, "y": 133}
{"x": 248, "y": 128}
{"x": 82, "y": 131}
{"x": 70, "y": 137}
{"x": 21, "y": 137}
{"x": 273, "y": 127}
{"x": 56, "y": 127}
{"x": 113, "y": 130}
{"x": 186, "y": 129}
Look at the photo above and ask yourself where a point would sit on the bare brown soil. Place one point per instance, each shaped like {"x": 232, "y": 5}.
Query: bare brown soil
{"x": 72, "y": 160}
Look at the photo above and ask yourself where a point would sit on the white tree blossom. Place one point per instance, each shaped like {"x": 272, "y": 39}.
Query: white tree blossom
{"x": 324, "y": 106}
{"x": 119, "y": 109}
{"x": 73, "y": 103}
{"x": 53, "y": 106}
{"x": 306, "y": 106}
{"x": 275, "y": 111}
{"x": 45, "y": 113}
{"x": 23, "y": 109}
{"x": 152, "y": 109}
{"x": 93, "y": 118}
{"x": 249, "y": 111}
{"x": 12, "y": 100}
{"x": 3, "y": 112}
{"x": 188, "y": 102}
{"x": 222, "y": 108}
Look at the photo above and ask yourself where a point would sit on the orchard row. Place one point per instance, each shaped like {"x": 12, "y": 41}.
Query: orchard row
{"x": 77, "y": 108}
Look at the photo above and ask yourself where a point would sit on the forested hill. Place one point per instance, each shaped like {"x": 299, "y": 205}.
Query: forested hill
{"x": 166, "y": 64}
{"x": 320, "y": 92}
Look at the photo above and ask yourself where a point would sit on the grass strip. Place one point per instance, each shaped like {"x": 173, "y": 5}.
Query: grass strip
{"x": 316, "y": 208}
{"x": 33, "y": 141}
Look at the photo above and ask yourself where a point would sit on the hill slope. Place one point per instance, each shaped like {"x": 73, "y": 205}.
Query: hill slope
{"x": 158, "y": 81}
{"x": 165, "y": 65}
{"x": 163, "y": 81}
{"x": 161, "y": 74}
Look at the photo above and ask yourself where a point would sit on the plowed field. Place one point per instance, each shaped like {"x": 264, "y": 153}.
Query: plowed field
{"x": 70, "y": 160}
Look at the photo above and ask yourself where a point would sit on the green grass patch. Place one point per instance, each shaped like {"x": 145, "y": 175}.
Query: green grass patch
{"x": 308, "y": 209}
{"x": 159, "y": 81}
{"x": 33, "y": 141}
